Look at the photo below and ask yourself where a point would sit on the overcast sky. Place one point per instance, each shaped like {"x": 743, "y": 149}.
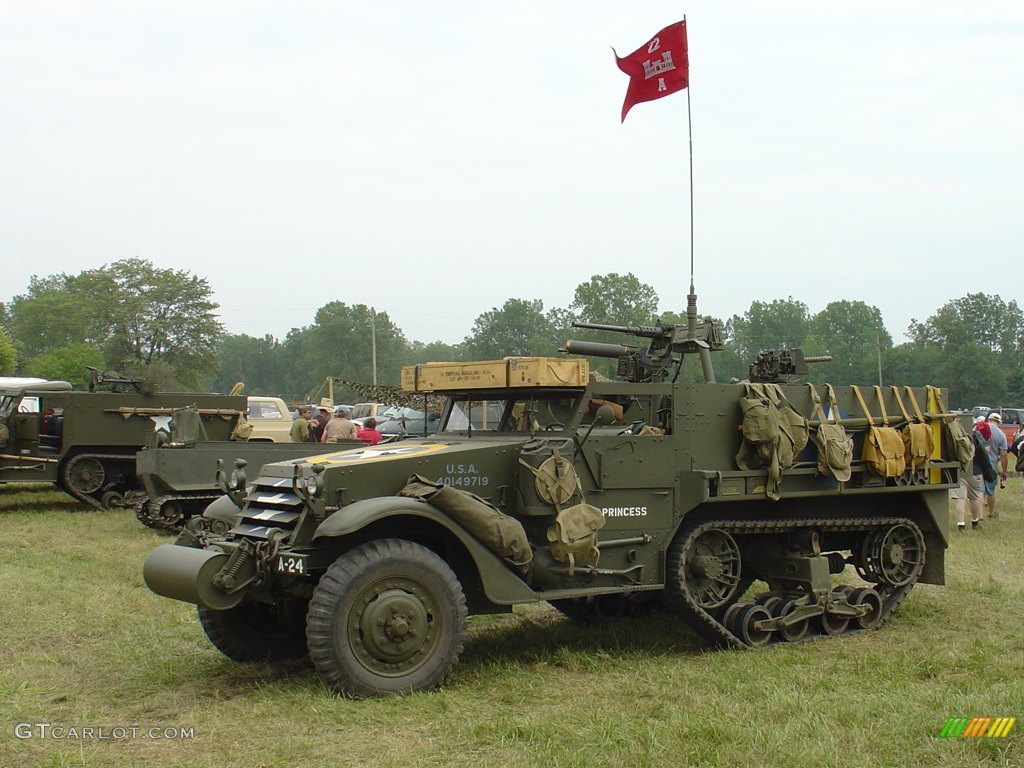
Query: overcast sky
{"x": 435, "y": 159}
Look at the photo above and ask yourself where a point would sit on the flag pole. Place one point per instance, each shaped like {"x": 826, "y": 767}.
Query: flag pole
{"x": 689, "y": 128}
{"x": 691, "y": 299}
{"x": 701, "y": 347}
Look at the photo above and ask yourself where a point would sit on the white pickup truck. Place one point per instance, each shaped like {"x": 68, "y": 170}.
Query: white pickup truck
{"x": 271, "y": 420}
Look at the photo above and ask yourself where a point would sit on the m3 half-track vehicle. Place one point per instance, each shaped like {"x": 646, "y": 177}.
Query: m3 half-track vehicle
{"x": 544, "y": 483}
{"x": 182, "y": 473}
{"x": 85, "y": 442}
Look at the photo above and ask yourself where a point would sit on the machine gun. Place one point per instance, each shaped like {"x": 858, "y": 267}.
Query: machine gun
{"x": 118, "y": 383}
{"x": 783, "y": 366}
{"x": 633, "y": 365}
{"x": 667, "y": 340}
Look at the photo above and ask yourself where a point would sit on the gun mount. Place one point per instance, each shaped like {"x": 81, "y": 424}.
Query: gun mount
{"x": 670, "y": 343}
{"x": 783, "y": 366}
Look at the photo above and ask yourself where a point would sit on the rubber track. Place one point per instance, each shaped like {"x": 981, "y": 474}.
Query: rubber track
{"x": 713, "y": 630}
{"x": 67, "y": 486}
{"x": 148, "y": 511}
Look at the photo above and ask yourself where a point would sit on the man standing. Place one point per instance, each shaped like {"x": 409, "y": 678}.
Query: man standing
{"x": 323, "y": 415}
{"x": 997, "y": 451}
{"x": 970, "y": 488}
{"x": 339, "y": 428}
{"x": 300, "y": 427}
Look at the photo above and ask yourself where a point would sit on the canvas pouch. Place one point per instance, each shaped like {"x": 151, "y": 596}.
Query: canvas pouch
{"x": 835, "y": 448}
{"x": 883, "y": 450}
{"x": 916, "y": 435}
{"x": 503, "y": 535}
{"x": 573, "y": 536}
{"x": 774, "y": 433}
{"x": 243, "y": 429}
{"x": 958, "y": 441}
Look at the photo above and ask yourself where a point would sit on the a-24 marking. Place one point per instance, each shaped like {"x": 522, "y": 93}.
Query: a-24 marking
{"x": 294, "y": 565}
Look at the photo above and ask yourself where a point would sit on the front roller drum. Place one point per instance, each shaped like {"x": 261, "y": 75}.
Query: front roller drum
{"x": 187, "y": 573}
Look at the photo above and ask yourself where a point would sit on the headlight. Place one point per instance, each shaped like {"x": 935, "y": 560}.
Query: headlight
{"x": 314, "y": 486}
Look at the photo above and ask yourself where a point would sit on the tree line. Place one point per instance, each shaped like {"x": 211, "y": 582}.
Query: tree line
{"x": 162, "y": 325}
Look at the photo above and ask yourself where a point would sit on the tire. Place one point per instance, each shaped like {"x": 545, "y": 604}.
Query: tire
{"x": 256, "y": 631}
{"x": 387, "y": 617}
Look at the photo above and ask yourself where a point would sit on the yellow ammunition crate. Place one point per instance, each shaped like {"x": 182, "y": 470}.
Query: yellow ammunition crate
{"x": 496, "y": 374}
{"x": 547, "y": 372}
{"x": 434, "y": 377}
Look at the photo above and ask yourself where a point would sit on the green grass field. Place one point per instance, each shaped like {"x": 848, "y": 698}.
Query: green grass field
{"x": 83, "y": 643}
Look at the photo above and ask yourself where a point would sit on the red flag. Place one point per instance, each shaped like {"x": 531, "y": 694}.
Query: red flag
{"x": 657, "y": 68}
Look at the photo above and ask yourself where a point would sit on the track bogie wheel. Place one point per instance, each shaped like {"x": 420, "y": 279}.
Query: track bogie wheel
{"x": 870, "y": 598}
{"x": 793, "y": 632}
{"x": 112, "y": 500}
{"x": 832, "y": 624}
{"x": 769, "y": 602}
{"x": 743, "y": 625}
{"x": 730, "y": 615}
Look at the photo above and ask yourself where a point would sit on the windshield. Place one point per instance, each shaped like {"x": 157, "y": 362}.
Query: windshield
{"x": 529, "y": 412}
{"x": 11, "y": 403}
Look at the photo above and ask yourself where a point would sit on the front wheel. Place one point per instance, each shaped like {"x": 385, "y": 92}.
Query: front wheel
{"x": 387, "y": 617}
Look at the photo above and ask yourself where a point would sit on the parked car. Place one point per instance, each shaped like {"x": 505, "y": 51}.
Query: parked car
{"x": 1013, "y": 418}
{"x": 408, "y": 422}
{"x": 360, "y": 412}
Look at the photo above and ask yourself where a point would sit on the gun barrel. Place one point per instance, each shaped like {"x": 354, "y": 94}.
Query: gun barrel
{"x": 645, "y": 331}
{"x": 817, "y": 358}
{"x": 597, "y": 349}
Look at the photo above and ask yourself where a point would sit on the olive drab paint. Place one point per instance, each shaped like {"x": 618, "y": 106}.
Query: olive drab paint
{"x": 85, "y": 442}
{"x": 626, "y": 492}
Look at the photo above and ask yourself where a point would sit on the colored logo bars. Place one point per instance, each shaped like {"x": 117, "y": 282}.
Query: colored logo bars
{"x": 975, "y": 727}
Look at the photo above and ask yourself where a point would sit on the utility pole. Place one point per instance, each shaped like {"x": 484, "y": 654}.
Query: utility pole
{"x": 878, "y": 349}
{"x": 373, "y": 343}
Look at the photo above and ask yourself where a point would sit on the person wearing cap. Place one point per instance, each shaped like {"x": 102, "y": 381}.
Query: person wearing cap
{"x": 339, "y": 428}
{"x": 969, "y": 490}
{"x": 300, "y": 426}
{"x": 997, "y": 446}
{"x": 323, "y": 415}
